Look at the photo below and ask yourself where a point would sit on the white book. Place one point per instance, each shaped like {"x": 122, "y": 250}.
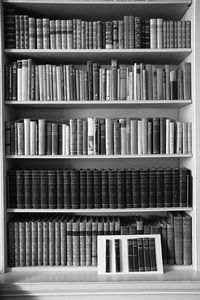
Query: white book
{"x": 24, "y": 79}
{"x": 63, "y": 139}
{"x": 33, "y": 132}
{"x": 50, "y": 83}
{"x": 185, "y": 138}
{"x": 134, "y": 80}
{"x": 144, "y": 136}
{"x": 26, "y": 136}
{"x": 189, "y": 129}
{"x": 128, "y": 136}
{"x": 167, "y": 136}
{"x": 41, "y": 90}
{"x": 68, "y": 82}
{"x": 134, "y": 137}
{"x": 19, "y": 80}
{"x": 141, "y": 81}
{"x": 67, "y": 140}
{"x": 171, "y": 134}
{"x": 108, "y": 85}
{"x": 91, "y": 122}
{"x": 123, "y": 136}
{"x": 130, "y": 86}
{"x": 55, "y": 96}
{"x": 144, "y": 94}
{"x": 58, "y": 82}
{"x": 20, "y": 138}
{"x": 29, "y": 79}
{"x": 153, "y": 33}
{"x": 159, "y": 33}
{"x": 108, "y": 136}
{"x": 118, "y": 84}
{"x": 41, "y": 136}
{"x": 140, "y": 137}
{"x": 179, "y": 137}
{"x": 47, "y": 82}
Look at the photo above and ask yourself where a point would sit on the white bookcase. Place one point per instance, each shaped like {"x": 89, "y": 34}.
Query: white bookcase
{"x": 187, "y": 110}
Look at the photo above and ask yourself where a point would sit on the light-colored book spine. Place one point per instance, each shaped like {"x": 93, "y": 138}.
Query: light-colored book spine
{"x": 109, "y": 136}
{"x": 153, "y": 33}
{"x": 172, "y": 136}
{"x": 167, "y": 136}
{"x": 179, "y": 136}
{"x": 189, "y": 129}
{"x": 63, "y": 34}
{"x": 41, "y": 136}
{"x": 33, "y": 145}
{"x": 67, "y": 140}
{"x": 185, "y": 138}
{"x": 63, "y": 139}
{"x": 159, "y": 33}
{"x": 24, "y": 79}
{"x": 123, "y": 136}
{"x": 20, "y": 138}
{"x": 52, "y": 26}
{"x": 58, "y": 82}
{"x": 58, "y": 34}
{"x": 19, "y": 80}
{"x": 91, "y": 122}
{"x": 26, "y": 136}
{"x": 46, "y": 31}
{"x": 139, "y": 137}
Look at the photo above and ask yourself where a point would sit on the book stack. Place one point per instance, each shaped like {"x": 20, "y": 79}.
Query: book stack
{"x": 127, "y": 33}
{"x": 99, "y": 188}
{"x": 26, "y": 81}
{"x": 55, "y": 241}
{"x": 72, "y": 241}
{"x": 98, "y": 136}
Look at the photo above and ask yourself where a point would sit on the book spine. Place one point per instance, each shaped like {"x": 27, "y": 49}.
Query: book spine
{"x": 27, "y": 189}
{"x": 90, "y": 188}
{"x": 121, "y": 188}
{"x": 60, "y": 187}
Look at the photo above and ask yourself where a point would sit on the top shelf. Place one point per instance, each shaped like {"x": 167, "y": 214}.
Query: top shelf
{"x": 173, "y": 9}
{"x": 171, "y": 56}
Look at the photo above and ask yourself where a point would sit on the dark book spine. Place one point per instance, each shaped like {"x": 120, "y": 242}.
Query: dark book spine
{"x": 21, "y": 30}
{"x": 135, "y": 256}
{"x": 44, "y": 188}
{"x": 52, "y": 188}
{"x": 9, "y": 29}
{"x": 67, "y": 189}
{"x": 60, "y": 139}
{"x": 51, "y": 242}
{"x": 105, "y": 188}
{"x": 130, "y": 255}
{"x": 83, "y": 189}
{"x": 147, "y": 259}
{"x": 14, "y": 81}
{"x": 48, "y": 138}
{"x": 75, "y": 189}
{"x": 102, "y": 140}
{"x": 121, "y": 188}
{"x": 141, "y": 255}
{"x": 138, "y": 33}
{"x": 45, "y": 232}
{"x": 97, "y": 189}
{"x": 16, "y": 243}
{"x": 162, "y": 135}
{"x": 54, "y": 138}
{"x": 117, "y": 255}
{"x": 152, "y": 188}
{"x": 22, "y": 244}
{"x": 36, "y": 189}
{"x": 183, "y": 187}
{"x": 90, "y": 79}
{"x": 178, "y": 239}
{"x": 107, "y": 258}
{"x": 60, "y": 187}
{"x": 112, "y": 181}
{"x": 167, "y": 187}
{"x": 170, "y": 244}
{"x": 27, "y": 189}
{"x": 12, "y": 189}
{"x": 152, "y": 254}
{"x": 90, "y": 188}
{"x": 129, "y": 200}
{"x": 156, "y": 136}
{"x": 20, "y": 188}
{"x": 34, "y": 244}
{"x": 187, "y": 239}
{"x": 175, "y": 188}
{"x": 11, "y": 245}
{"x": 144, "y": 186}
{"x": 136, "y": 188}
{"x": 160, "y": 187}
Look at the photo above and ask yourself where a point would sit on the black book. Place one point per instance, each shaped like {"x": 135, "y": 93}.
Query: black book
{"x": 144, "y": 187}
{"x": 102, "y": 139}
{"x": 105, "y": 188}
{"x": 11, "y": 188}
{"x": 67, "y": 189}
{"x": 90, "y": 188}
{"x": 60, "y": 187}
{"x": 152, "y": 188}
{"x": 175, "y": 188}
{"x": 160, "y": 187}
{"x": 135, "y": 256}
{"x": 130, "y": 255}
{"x": 129, "y": 200}
{"x": 36, "y": 189}
{"x": 97, "y": 189}
{"x": 12, "y": 139}
{"x": 183, "y": 187}
{"x": 14, "y": 81}
{"x": 54, "y": 139}
{"x": 83, "y": 189}
{"x": 27, "y": 189}
{"x": 44, "y": 189}
{"x": 167, "y": 187}
{"x": 173, "y": 85}
{"x": 121, "y": 188}
{"x": 156, "y": 135}
{"x": 147, "y": 260}
{"x": 9, "y": 27}
{"x": 90, "y": 79}
{"x": 162, "y": 135}
{"x": 20, "y": 188}
{"x": 112, "y": 182}
{"x": 150, "y": 137}
{"x": 52, "y": 188}
{"x": 141, "y": 255}
{"x": 138, "y": 32}
{"x": 117, "y": 255}
{"x": 107, "y": 269}
{"x": 75, "y": 189}
{"x": 6, "y": 82}
{"x": 136, "y": 187}
{"x": 60, "y": 139}
{"x": 152, "y": 254}
{"x": 10, "y": 82}
{"x": 48, "y": 138}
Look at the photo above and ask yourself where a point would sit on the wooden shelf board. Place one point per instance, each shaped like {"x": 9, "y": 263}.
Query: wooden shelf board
{"x": 102, "y": 104}
{"x": 100, "y": 211}
{"x": 103, "y": 10}
{"x": 172, "y": 56}
{"x": 98, "y": 156}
